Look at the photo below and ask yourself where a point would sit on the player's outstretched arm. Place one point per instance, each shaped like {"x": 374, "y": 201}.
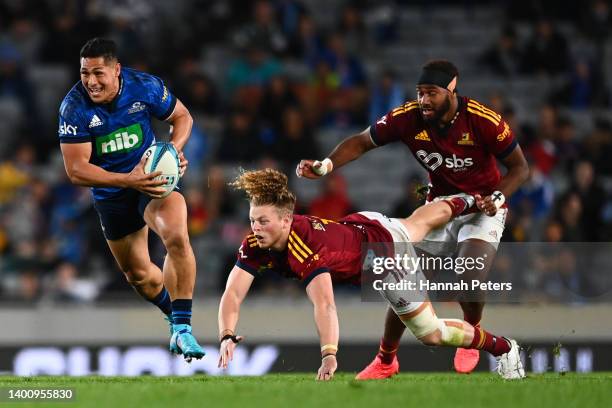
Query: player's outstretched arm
{"x": 320, "y": 291}
{"x": 238, "y": 285}
{"x": 348, "y": 150}
{"x": 181, "y": 122}
{"x": 81, "y": 172}
{"x": 517, "y": 173}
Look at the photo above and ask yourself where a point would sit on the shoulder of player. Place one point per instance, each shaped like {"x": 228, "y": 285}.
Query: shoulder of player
{"x": 139, "y": 78}
{"x": 481, "y": 114}
{"x": 249, "y": 243}
{"x": 301, "y": 245}
{"x": 75, "y": 101}
{"x": 407, "y": 109}
{"x": 76, "y": 98}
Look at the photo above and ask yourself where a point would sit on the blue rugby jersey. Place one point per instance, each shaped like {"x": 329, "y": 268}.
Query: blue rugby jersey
{"x": 120, "y": 131}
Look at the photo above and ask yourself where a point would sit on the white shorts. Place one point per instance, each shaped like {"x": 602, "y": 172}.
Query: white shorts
{"x": 443, "y": 241}
{"x": 401, "y": 301}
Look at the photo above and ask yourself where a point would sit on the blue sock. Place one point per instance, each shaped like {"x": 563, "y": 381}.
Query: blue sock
{"x": 162, "y": 300}
{"x": 181, "y": 311}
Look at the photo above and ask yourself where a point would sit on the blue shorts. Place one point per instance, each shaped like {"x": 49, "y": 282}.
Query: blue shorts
{"x": 123, "y": 215}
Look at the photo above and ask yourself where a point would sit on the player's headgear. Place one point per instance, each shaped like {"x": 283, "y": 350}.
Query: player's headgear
{"x": 99, "y": 47}
{"x": 441, "y": 73}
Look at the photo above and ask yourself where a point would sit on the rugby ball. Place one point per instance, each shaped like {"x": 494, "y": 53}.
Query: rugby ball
{"x": 162, "y": 156}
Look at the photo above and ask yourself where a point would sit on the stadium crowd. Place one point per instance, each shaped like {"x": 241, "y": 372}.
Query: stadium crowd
{"x": 264, "y": 84}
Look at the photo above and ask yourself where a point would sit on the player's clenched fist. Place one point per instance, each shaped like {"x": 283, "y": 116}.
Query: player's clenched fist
{"x": 313, "y": 169}
{"x": 328, "y": 368}
{"x": 226, "y": 350}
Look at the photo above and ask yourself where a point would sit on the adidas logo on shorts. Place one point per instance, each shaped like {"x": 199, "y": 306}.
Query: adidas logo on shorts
{"x": 95, "y": 121}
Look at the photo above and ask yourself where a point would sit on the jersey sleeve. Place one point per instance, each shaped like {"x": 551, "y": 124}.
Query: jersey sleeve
{"x": 161, "y": 101}
{"x": 71, "y": 125}
{"x": 306, "y": 259}
{"x": 384, "y": 130}
{"x": 388, "y": 128}
{"x": 248, "y": 256}
{"x": 499, "y": 138}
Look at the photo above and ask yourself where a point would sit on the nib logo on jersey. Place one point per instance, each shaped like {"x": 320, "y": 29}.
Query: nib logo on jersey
{"x": 433, "y": 160}
{"x": 121, "y": 140}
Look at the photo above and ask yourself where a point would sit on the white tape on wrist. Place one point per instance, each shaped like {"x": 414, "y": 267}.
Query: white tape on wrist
{"x": 321, "y": 168}
{"x": 498, "y": 199}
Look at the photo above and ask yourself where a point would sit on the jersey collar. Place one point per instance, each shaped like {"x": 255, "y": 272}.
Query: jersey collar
{"x": 112, "y": 105}
{"x": 460, "y": 105}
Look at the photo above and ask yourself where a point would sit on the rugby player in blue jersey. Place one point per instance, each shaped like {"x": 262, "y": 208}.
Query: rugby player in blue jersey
{"x": 104, "y": 129}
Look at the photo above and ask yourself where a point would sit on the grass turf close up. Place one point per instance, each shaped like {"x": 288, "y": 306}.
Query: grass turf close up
{"x": 300, "y": 390}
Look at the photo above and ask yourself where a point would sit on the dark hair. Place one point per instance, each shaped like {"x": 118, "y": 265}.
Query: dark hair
{"x": 100, "y": 47}
{"x": 442, "y": 66}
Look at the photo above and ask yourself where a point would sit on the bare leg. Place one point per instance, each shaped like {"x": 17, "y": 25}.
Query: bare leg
{"x": 168, "y": 218}
{"x": 132, "y": 256}
{"x": 473, "y": 302}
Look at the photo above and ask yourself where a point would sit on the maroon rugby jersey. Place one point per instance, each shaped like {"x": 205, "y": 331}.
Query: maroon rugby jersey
{"x": 316, "y": 245}
{"x": 460, "y": 159}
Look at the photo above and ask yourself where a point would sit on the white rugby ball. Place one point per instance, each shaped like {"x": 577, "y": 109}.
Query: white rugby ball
{"x": 162, "y": 156}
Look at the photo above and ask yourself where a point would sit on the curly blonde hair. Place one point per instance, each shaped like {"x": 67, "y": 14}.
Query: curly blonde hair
{"x": 265, "y": 187}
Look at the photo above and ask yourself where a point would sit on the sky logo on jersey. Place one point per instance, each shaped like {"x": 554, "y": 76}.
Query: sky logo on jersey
{"x": 504, "y": 134}
{"x": 382, "y": 121}
{"x": 121, "y": 140}
{"x": 66, "y": 129}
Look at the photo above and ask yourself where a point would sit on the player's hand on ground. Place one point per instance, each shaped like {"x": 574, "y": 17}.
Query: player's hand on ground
{"x": 146, "y": 183}
{"x": 486, "y": 205}
{"x": 327, "y": 369}
{"x": 226, "y": 351}
{"x": 306, "y": 168}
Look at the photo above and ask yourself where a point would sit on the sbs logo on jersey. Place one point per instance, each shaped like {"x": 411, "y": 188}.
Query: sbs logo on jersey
{"x": 433, "y": 160}
{"x": 121, "y": 140}
{"x": 457, "y": 163}
{"x": 430, "y": 160}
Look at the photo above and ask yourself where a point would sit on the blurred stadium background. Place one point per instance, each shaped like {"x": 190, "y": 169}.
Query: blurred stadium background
{"x": 270, "y": 82}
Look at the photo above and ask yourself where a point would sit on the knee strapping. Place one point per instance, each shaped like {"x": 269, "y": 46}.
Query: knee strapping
{"x": 426, "y": 323}
{"x": 453, "y": 332}
{"x": 423, "y": 323}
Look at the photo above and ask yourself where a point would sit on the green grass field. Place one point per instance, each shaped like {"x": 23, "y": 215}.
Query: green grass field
{"x": 300, "y": 390}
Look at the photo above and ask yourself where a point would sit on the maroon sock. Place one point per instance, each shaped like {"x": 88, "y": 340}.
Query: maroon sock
{"x": 472, "y": 315}
{"x": 387, "y": 351}
{"x": 483, "y": 340}
{"x": 474, "y": 320}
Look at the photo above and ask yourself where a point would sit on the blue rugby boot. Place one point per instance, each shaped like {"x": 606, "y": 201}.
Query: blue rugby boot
{"x": 183, "y": 342}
